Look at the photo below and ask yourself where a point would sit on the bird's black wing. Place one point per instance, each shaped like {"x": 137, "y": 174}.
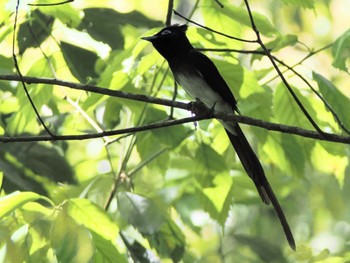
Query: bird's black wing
{"x": 212, "y": 76}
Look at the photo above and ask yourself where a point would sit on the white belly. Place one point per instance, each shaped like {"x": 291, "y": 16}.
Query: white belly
{"x": 198, "y": 88}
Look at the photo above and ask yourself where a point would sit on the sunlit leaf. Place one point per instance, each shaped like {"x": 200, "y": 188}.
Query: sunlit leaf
{"x": 80, "y": 61}
{"x": 341, "y": 51}
{"x": 334, "y": 97}
{"x": 92, "y": 217}
{"x": 11, "y": 202}
{"x": 33, "y": 32}
{"x": 71, "y": 241}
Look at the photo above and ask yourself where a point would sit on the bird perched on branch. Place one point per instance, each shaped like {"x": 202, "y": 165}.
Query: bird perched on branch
{"x": 200, "y": 78}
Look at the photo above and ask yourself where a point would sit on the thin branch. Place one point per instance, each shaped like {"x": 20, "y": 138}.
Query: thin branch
{"x": 53, "y": 4}
{"x": 258, "y": 52}
{"x": 327, "y": 105}
{"x": 212, "y": 30}
{"x": 21, "y": 76}
{"x": 169, "y": 13}
{"x": 157, "y": 125}
{"x": 268, "y": 54}
{"x": 168, "y": 123}
{"x": 96, "y": 89}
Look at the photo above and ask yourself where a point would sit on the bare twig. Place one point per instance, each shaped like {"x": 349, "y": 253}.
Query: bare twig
{"x": 53, "y": 4}
{"x": 95, "y": 89}
{"x": 168, "y": 123}
{"x": 169, "y": 12}
{"x": 285, "y": 82}
{"x": 212, "y": 30}
{"x": 21, "y": 76}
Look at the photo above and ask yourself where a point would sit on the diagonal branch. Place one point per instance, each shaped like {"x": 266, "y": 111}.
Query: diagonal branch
{"x": 285, "y": 82}
{"x": 21, "y": 76}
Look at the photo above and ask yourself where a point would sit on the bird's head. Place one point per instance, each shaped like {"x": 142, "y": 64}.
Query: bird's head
{"x": 170, "y": 40}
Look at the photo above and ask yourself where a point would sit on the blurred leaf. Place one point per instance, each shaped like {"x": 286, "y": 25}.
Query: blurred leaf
{"x": 92, "y": 217}
{"x": 338, "y": 101}
{"x": 217, "y": 20}
{"x": 15, "y": 178}
{"x": 341, "y": 51}
{"x": 6, "y": 67}
{"x": 24, "y": 119}
{"x": 111, "y": 116}
{"x": 240, "y": 15}
{"x": 34, "y": 31}
{"x": 281, "y": 41}
{"x": 15, "y": 200}
{"x": 71, "y": 241}
{"x": 294, "y": 154}
{"x": 285, "y": 109}
{"x": 143, "y": 213}
{"x": 234, "y": 16}
{"x": 206, "y": 164}
{"x": 66, "y": 13}
{"x": 266, "y": 251}
{"x": 103, "y": 25}
{"x": 41, "y": 160}
{"x": 80, "y": 61}
{"x": 169, "y": 241}
{"x": 218, "y": 199}
{"x": 136, "y": 250}
{"x": 273, "y": 148}
{"x": 105, "y": 250}
{"x": 300, "y": 3}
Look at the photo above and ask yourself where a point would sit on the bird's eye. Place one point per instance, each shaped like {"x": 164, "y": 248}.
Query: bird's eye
{"x": 166, "y": 32}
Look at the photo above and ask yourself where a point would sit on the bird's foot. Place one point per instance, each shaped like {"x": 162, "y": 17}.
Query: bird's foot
{"x": 198, "y": 108}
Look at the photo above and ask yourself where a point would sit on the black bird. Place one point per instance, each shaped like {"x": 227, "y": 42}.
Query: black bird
{"x": 200, "y": 78}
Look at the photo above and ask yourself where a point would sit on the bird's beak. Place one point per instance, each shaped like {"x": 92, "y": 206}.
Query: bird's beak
{"x": 150, "y": 39}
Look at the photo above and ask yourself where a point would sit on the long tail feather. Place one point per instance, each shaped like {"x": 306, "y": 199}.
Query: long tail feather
{"x": 255, "y": 171}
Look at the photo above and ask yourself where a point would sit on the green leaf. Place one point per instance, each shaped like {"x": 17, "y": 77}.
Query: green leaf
{"x": 300, "y": 3}
{"x": 230, "y": 18}
{"x": 92, "y": 217}
{"x": 338, "y": 101}
{"x": 13, "y": 201}
{"x": 341, "y": 51}
{"x": 240, "y": 15}
{"x": 102, "y": 25}
{"x": 276, "y": 153}
{"x": 80, "y": 61}
{"x": 281, "y": 41}
{"x": 105, "y": 250}
{"x": 218, "y": 199}
{"x": 6, "y": 67}
{"x": 39, "y": 159}
{"x": 169, "y": 241}
{"x": 72, "y": 242}
{"x": 206, "y": 164}
{"x": 285, "y": 109}
{"x": 105, "y": 24}
{"x": 137, "y": 251}
{"x": 294, "y": 154}
{"x": 266, "y": 251}
{"x": 215, "y": 19}
{"x": 145, "y": 214}
{"x": 66, "y": 13}
{"x": 112, "y": 112}
{"x": 34, "y": 31}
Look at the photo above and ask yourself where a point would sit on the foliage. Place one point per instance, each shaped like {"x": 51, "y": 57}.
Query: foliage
{"x": 177, "y": 193}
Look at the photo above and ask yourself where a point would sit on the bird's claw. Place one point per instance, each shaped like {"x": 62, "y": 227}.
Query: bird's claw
{"x": 199, "y": 109}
